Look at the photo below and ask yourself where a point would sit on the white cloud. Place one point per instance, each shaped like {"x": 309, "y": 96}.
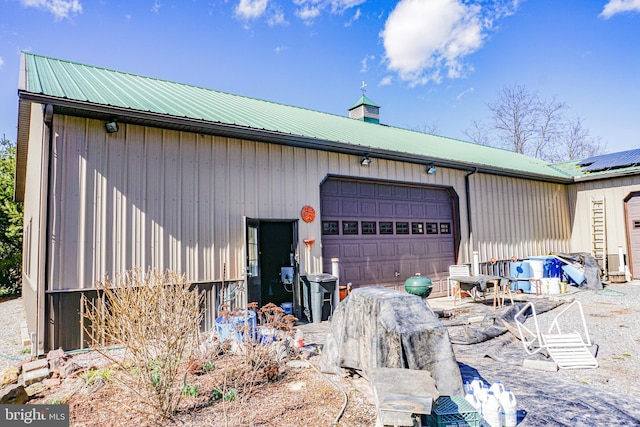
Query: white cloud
{"x": 281, "y": 49}
{"x": 1, "y": 62}
{"x": 619, "y": 6}
{"x": 365, "y": 63}
{"x": 339, "y": 6}
{"x": 59, "y": 8}
{"x": 308, "y": 10}
{"x": 386, "y": 81}
{"x": 308, "y": 13}
{"x": 464, "y": 92}
{"x": 156, "y": 7}
{"x": 251, "y": 9}
{"x": 354, "y": 18}
{"x": 277, "y": 18}
{"x": 425, "y": 41}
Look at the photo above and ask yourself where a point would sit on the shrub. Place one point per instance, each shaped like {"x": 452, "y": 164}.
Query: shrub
{"x": 156, "y": 317}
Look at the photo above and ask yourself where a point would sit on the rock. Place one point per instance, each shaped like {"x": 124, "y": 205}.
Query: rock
{"x": 14, "y": 394}
{"x": 98, "y": 383}
{"x": 51, "y": 382}
{"x": 35, "y": 388}
{"x": 35, "y": 376}
{"x": 10, "y": 375}
{"x": 35, "y": 365}
{"x": 55, "y": 358}
{"x": 298, "y": 364}
{"x": 69, "y": 368}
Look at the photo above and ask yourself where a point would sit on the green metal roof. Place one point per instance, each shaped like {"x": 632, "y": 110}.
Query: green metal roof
{"x": 364, "y": 101}
{"x": 64, "y": 81}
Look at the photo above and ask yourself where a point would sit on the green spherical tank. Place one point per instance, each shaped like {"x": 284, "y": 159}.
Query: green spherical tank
{"x": 418, "y": 285}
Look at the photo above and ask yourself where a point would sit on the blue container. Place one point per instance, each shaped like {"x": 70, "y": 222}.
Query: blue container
{"x": 287, "y": 307}
{"x": 520, "y": 269}
{"x": 574, "y": 274}
{"x": 237, "y": 327}
{"x": 555, "y": 268}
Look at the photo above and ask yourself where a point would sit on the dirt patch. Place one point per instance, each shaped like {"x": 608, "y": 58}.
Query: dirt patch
{"x": 300, "y": 395}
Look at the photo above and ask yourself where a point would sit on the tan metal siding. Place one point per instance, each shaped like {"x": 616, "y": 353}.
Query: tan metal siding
{"x": 614, "y": 191}
{"x": 167, "y": 199}
{"x": 517, "y": 217}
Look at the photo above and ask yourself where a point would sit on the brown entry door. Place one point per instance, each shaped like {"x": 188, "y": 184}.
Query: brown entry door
{"x": 633, "y": 231}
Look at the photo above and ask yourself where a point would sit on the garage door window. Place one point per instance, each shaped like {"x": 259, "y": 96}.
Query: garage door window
{"x": 417, "y": 228}
{"x": 432, "y": 228}
{"x": 445, "y": 228}
{"x": 386, "y": 228}
{"x": 402, "y": 228}
{"x": 349, "y": 227}
{"x": 368, "y": 227}
{"x": 330, "y": 228}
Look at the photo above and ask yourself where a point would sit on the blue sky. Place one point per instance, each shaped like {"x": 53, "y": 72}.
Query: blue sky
{"x": 425, "y": 62}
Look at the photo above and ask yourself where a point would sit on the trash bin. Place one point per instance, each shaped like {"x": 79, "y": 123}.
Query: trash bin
{"x": 314, "y": 290}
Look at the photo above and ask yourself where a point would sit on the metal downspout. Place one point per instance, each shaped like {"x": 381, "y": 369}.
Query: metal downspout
{"x": 468, "y": 198}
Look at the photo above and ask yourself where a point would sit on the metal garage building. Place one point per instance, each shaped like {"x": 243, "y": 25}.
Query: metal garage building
{"x": 224, "y": 189}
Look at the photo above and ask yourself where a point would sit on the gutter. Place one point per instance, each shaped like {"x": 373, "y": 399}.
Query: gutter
{"x": 125, "y": 115}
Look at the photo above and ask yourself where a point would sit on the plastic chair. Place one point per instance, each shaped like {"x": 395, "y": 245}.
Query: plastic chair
{"x": 456, "y": 270}
{"x": 568, "y": 350}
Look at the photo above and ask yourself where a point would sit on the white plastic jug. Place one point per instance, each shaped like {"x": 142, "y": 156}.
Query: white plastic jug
{"x": 473, "y": 400}
{"x": 492, "y": 411}
{"x": 497, "y": 388}
{"x": 476, "y": 385}
{"x": 509, "y": 408}
{"x": 554, "y": 286}
{"x": 482, "y": 394}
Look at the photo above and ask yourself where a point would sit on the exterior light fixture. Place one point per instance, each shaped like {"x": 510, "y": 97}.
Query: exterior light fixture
{"x": 431, "y": 170}
{"x": 111, "y": 126}
{"x": 366, "y": 161}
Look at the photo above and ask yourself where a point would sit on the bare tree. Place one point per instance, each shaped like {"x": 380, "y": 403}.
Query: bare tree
{"x": 432, "y": 128}
{"x": 525, "y": 123}
{"x": 578, "y": 143}
{"x": 478, "y": 133}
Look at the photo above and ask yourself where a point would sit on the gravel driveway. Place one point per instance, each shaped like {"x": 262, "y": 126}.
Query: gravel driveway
{"x": 607, "y": 395}
{"x": 13, "y": 315}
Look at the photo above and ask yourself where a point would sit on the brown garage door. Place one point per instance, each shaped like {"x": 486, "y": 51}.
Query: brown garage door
{"x": 384, "y": 233}
{"x": 633, "y": 231}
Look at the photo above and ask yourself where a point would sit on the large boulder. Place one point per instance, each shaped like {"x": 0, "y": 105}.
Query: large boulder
{"x": 14, "y": 394}
{"x": 376, "y": 327}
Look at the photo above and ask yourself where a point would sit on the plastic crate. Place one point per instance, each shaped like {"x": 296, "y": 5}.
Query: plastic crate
{"x": 453, "y": 411}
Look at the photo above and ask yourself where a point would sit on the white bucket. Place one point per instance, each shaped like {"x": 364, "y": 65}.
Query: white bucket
{"x": 537, "y": 268}
{"x": 544, "y": 283}
{"x": 554, "y": 286}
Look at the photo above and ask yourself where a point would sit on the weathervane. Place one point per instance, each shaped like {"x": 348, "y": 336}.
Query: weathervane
{"x": 363, "y": 87}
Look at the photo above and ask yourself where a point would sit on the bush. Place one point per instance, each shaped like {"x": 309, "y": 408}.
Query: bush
{"x": 156, "y": 317}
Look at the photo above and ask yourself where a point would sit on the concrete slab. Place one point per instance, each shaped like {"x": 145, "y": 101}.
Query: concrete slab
{"x": 35, "y": 365}
{"x": 35, "y": 376}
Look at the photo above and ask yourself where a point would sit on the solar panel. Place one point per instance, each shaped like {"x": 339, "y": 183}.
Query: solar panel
{"x": 611, "y": 161}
